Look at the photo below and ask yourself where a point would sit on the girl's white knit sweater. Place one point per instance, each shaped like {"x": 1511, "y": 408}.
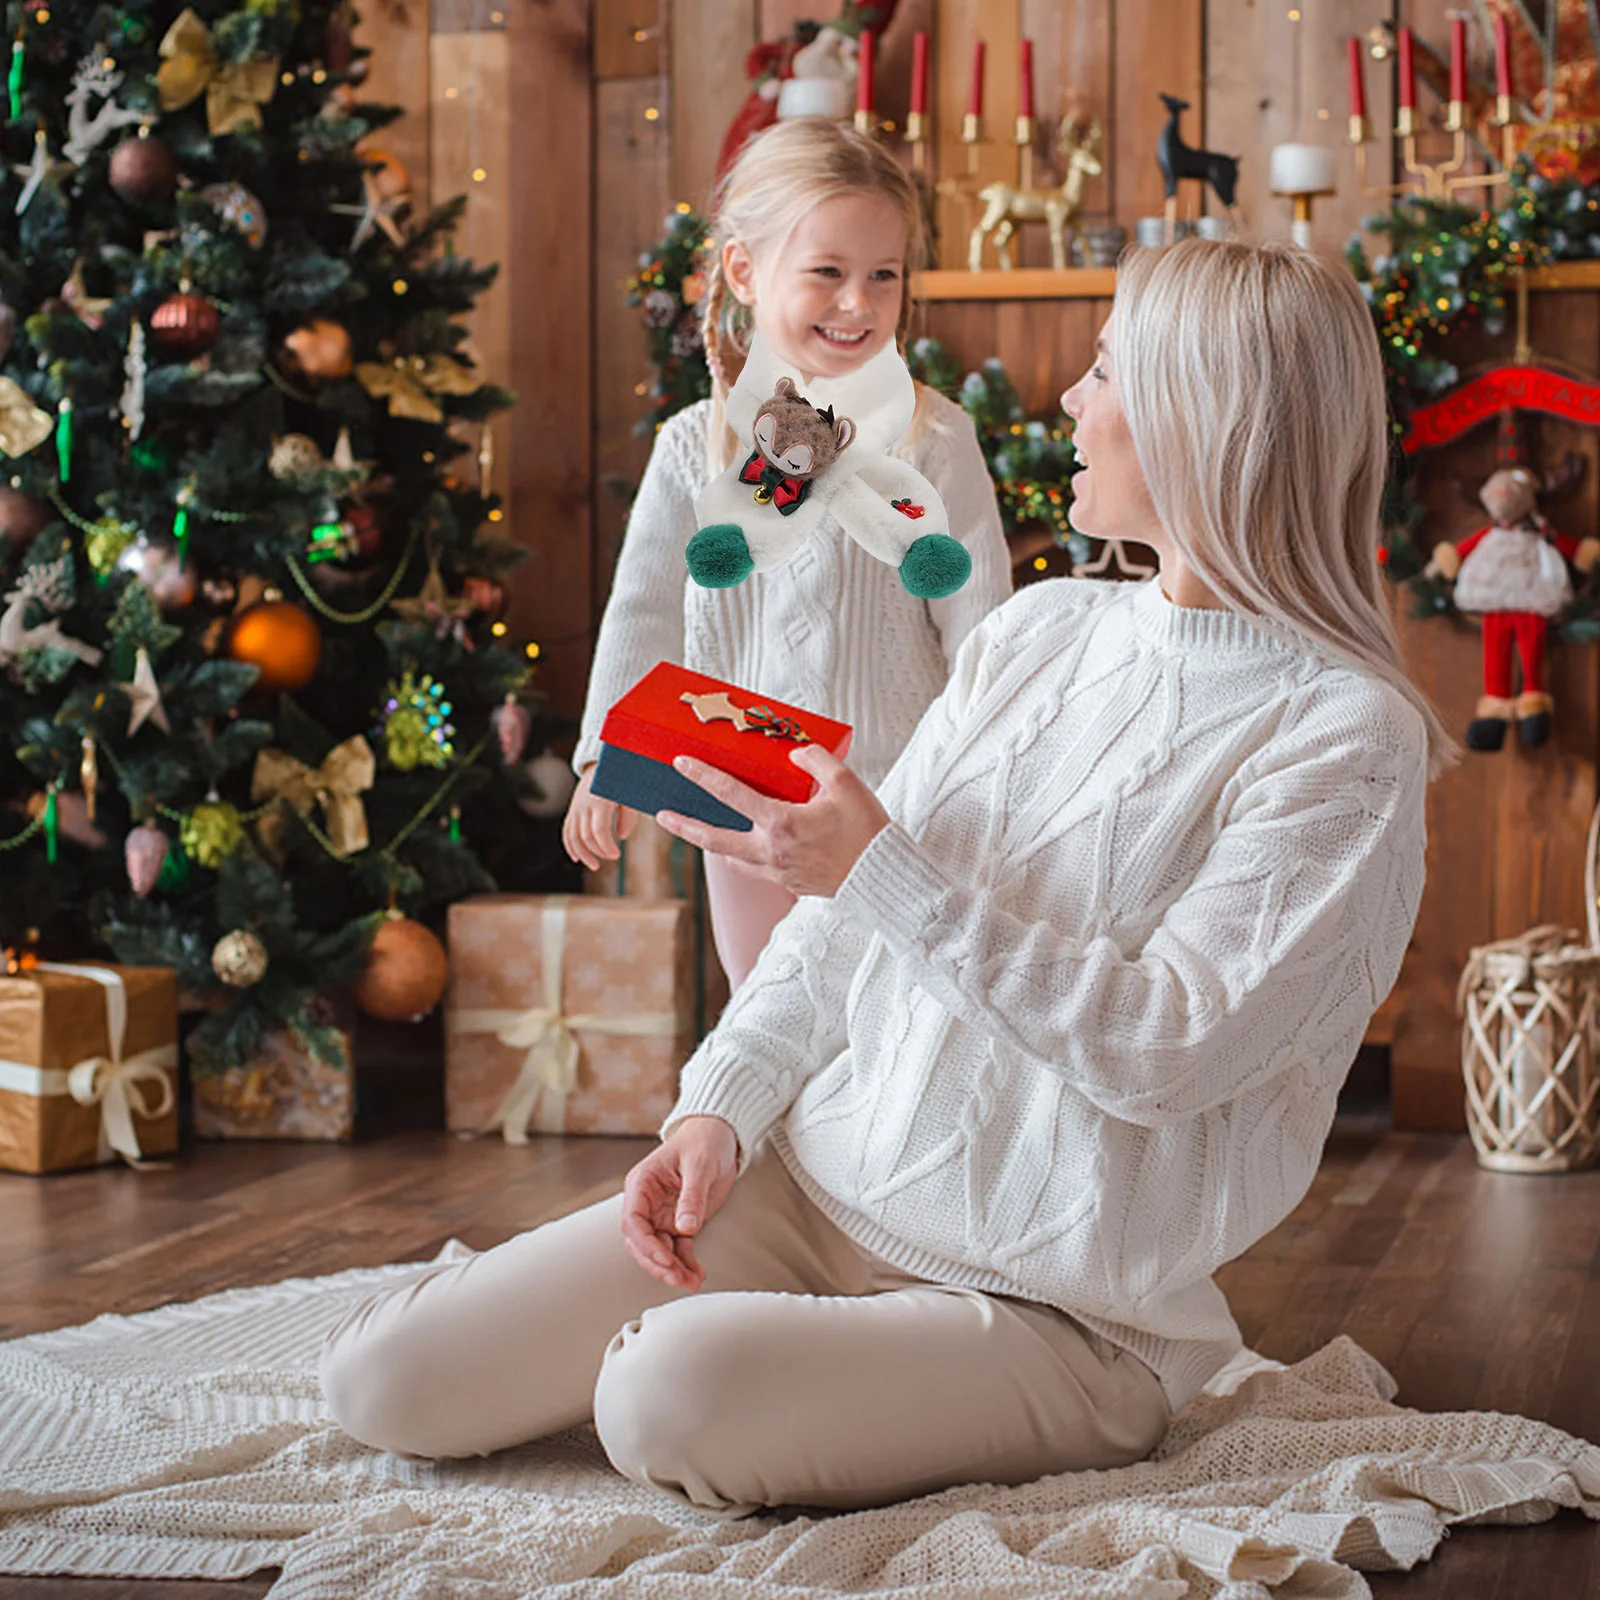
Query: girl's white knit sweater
{"x": 832, "y": 630}
{"x": 1073, "y": 1027}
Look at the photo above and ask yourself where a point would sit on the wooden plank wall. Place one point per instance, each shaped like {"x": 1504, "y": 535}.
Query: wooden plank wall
{"x": 1505, "y": 830}
{"x": 591, "y": 121}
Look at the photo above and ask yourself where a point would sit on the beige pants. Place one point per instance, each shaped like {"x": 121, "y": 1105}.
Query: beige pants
{"x": 805, "y": 1372}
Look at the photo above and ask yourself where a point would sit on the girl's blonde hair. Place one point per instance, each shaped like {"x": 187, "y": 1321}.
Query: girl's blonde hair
{"x": 784, "y": 172}
{"x": 1253, "y": 388}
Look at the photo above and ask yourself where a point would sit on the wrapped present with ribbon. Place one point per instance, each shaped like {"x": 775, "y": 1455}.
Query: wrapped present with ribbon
{"x": 672, "y": 712}
{"x": 566, "y": 1014}
{"x": 653, "y": 864}
{"x": 299, "y": 1084}
{"x": 88, "y": 1066}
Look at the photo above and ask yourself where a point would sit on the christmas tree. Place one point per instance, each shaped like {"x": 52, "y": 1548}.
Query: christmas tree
{"x": 254, "y": 691}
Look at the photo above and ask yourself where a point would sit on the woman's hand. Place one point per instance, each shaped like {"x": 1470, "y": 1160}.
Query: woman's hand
{"x": 671, "y": 1195}
{"x": 594, "y": 826}
{"x": 808, "y": 848}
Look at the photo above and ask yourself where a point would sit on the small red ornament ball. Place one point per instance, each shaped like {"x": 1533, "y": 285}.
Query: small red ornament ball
{"x": 405, "y": 973}
{"x": 366, "y": 525}
{"x": 185, "y": 325}
{"x": 143, "y": 170}
{"x": 280, "y": 641}
{"x": 21, "y": 516}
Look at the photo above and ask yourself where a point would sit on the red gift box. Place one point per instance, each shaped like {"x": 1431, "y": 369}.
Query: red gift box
{"x": 672, "y": 711}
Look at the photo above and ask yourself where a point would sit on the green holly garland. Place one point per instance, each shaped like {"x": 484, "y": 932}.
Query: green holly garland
{"x": 1448, "y": 267}
{"x": 667, "y": 290}
{"x": 1030, "y": 460}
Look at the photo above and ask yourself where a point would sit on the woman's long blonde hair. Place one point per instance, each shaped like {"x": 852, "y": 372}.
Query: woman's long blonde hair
{"x": 1253, "y": 387}
{"x": 784, "y": 172}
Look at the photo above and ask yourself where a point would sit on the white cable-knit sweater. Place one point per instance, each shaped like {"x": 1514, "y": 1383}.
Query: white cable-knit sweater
{"x": 832, "y": 630}
{"x": 1073, "y": 1027}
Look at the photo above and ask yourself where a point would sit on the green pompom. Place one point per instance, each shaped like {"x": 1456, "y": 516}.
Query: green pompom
{"x": 936, "y": 565}
{"x": 719, "y": 558}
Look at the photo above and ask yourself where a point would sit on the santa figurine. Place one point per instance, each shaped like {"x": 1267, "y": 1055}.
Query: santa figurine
{"x": 1514, "y": 573}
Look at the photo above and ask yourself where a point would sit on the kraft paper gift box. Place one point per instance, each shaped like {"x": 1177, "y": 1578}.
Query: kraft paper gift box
{"x": 654, "y": 865}
{"x": 673, "y": 712}
{"x": 566, "y": 1014}
{"x": 301, "y": 1084}
{"x": 88, "y": 1065}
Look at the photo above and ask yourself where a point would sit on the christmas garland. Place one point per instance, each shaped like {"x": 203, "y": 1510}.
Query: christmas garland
{"x": 1030, "y": 460}
{"x": 1449, "y": 267}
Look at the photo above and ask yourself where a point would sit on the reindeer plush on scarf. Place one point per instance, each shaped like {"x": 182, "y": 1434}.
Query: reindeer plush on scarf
{"x": 803, "y": 459}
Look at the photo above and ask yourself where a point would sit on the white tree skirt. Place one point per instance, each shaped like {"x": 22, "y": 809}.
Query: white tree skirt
{"x": 192, "y": 1441}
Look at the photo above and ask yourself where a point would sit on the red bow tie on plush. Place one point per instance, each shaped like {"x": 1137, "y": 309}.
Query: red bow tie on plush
{"x": 786, "y": 492}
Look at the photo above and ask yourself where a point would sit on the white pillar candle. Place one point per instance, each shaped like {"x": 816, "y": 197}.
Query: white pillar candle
{"x": 1301, "y": 169}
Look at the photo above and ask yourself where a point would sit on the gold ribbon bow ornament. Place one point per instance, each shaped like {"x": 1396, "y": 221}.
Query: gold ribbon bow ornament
{"x": 346, "y": 773}
{"x": 23, "y": 425}
{"x": 548, "y": 1035}
{"x": 235, "y": 91}
{"x": 409, "y": 383}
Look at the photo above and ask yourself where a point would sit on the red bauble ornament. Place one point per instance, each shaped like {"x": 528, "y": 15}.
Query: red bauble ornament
{"x": 405, "y": 973}
{"x": 486, "y": 595}
{"x": 365, "y": 523}
{"x": 143, "y": 170}
{"x": 21, "y": 516}
{"x": 281, "y": 641}
{"x": 185, "y": 324}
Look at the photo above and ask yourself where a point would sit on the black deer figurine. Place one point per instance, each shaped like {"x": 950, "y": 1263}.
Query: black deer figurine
{"x": 1178, "y": 161}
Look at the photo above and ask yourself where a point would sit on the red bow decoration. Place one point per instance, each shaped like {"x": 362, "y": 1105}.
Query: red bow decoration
{"x": 784, "y": 493}
{"x": 907, "y": 509}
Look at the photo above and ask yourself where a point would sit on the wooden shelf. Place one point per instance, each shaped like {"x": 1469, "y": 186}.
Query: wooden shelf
{"x": 1023, "y": 283}
{"x": 1099, "y": 283}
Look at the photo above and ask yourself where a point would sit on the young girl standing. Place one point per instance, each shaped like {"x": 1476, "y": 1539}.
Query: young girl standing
{"x": 816, "y": 232}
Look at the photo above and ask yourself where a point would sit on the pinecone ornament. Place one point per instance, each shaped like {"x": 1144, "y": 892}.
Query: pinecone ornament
{"x": 144, "y": 851}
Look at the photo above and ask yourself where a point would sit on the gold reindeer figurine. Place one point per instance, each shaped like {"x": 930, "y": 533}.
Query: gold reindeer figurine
{"x": 1078, "y": 142}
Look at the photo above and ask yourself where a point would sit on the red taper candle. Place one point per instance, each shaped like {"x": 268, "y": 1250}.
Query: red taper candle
{"x": 1408, "y": 77}
{"x": 975, "y": 94}
{"x": 864, "y": 71}
{"x": 1458, "y": 59}
{"x": 1502, "y": 53}
{"x": 919, "y": 72}
{"x": 1358, "y": 88}
{"x": 1025, "y": 85}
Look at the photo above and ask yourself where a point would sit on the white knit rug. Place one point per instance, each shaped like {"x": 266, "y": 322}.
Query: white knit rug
{"x": 191, "y": 1442}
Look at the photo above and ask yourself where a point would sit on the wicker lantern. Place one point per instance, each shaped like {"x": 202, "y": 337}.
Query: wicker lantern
{"x": 1530, "y": 1044}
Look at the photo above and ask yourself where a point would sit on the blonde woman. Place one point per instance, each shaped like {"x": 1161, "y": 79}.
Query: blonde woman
{"x": 1059, "y": 1023}
{"x": 817, "y": 230}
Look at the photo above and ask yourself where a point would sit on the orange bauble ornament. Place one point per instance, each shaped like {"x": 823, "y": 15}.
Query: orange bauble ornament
{"x": 321, "y": 349}
{"x": 405, "y": 972}
{"x": 281, "y": 641}
{"x": 390, "y": 180}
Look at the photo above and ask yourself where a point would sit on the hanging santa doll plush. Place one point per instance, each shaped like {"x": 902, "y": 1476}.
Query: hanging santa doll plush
{"x": 1514, "y": 573}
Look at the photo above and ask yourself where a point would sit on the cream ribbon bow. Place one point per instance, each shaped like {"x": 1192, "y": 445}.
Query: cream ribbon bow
{"x": 118, "y": 1086}
{"x": 548, "y": 1035}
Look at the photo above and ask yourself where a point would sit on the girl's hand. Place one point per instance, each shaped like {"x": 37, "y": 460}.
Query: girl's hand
{"x": 671, "y": 1195}
{"x": 594, "y": 826}
{"x": 808, "y": 848}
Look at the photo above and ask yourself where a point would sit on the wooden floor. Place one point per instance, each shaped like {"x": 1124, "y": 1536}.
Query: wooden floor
{"x": 1476, "y": 1290}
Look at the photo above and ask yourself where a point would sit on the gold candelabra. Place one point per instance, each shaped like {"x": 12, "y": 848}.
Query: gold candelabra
{"x": 1439, "y": 179}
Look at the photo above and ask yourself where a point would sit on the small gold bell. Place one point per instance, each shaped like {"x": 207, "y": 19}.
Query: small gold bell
{"x": 764, "y": 495}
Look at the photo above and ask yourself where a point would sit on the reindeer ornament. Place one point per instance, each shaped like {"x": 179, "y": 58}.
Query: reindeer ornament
{"x": 824, "y": 452}
{"x": 1514, "y": 573}
{"x": 1178, "y": 161}
{"x": 1078, "y": 142}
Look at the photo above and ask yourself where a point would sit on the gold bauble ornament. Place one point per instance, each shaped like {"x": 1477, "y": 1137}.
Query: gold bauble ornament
{"x": 281, "y": 641}
{"x": 321, "y": 349}
{"x": 295, "y": 455}
{"x": 239, "y": 959}
{"x": 405, "y": 972}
